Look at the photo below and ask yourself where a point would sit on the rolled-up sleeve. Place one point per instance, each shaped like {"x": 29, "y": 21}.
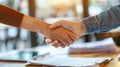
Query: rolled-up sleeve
{"x": 9, "y": 16}
{"x": 103, "y": 22}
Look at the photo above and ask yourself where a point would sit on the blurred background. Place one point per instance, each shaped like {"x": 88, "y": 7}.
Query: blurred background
{"x": 12, "y": 38}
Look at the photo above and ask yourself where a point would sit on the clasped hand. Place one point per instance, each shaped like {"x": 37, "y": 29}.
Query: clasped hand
{"x": 66, "y": 32}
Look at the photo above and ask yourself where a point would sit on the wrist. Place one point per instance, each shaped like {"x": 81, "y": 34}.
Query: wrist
{"x": 33, "y": 24}
{"x": 80, "y": 29}
{"x": 83, "y": 28}
{"x": 45, "y": 29}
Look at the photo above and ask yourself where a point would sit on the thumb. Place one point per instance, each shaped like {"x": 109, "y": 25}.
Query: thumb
{"x": 55, "y": 25}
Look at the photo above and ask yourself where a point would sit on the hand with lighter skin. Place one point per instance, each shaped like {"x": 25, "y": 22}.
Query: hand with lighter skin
{"x": 75, "y": 27}
{"x": 63, "y": 36}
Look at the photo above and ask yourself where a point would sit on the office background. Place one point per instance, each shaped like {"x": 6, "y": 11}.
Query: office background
{"x": 12, "y": 38}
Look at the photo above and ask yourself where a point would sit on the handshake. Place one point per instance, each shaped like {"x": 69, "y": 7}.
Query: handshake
{"x": 60, "y": 34}
{"x": 66, "y": 33}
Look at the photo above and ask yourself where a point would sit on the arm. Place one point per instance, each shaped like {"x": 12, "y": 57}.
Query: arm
{"x": 14, "y": 18}
{"x": 34, "y": 25}
{"x": 11, "y": 17}
{"x": 62, "y": 35}
{"x": 105, "y": 21}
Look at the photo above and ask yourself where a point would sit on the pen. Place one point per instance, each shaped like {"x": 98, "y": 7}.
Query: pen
{"x": 104, "y": 61}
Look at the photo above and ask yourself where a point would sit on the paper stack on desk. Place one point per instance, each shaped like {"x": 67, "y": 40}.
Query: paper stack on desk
{"x": 106, "y": 45}
{"x": 66, "y": 61}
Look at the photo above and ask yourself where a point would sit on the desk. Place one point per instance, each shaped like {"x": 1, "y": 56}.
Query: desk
{"x": 8, "y": 64}
{"x": 113, "y": 63}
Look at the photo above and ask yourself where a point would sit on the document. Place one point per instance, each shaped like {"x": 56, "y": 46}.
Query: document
{"x": 106, "y": 45}
{"x": 64, "y": 60}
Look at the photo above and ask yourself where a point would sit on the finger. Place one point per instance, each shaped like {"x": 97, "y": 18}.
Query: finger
{"x": 64, "y": 42}
{"x": 73, "y": 36}
{"x": 61, "y": 45}
{"x": 48, "y": 41}
{"x": 70, "y": 41}
{"x": 55, "y": 43}
{"x": 55, "y": 25}
{"x": 58, "y": 45}
{"x": 67, "y": 42}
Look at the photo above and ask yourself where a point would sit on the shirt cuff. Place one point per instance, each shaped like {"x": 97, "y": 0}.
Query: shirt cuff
{"x": 91, "y": 24}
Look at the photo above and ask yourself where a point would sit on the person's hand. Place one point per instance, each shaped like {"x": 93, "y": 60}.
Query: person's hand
{"x": 63, "y": 36}
{"x": 76, "y": 27}
{"x": 60, "y": 36}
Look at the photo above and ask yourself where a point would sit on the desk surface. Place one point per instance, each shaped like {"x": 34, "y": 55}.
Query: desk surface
{"x": 113, "y": 63}
{"x": 8, "y": 64}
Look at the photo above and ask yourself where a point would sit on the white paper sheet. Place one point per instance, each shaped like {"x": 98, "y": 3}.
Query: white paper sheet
{"x": 63, "y": 60}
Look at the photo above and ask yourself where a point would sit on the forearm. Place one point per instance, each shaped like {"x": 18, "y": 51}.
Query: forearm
{"x": 10, "y": 17}
{"x": 13, "y": 18}
{"x": 34, "y": 25}
{"x": 105, "y": 21}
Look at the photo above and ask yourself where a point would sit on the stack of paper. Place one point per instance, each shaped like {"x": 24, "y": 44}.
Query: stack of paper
{"x": 106, "y": 45}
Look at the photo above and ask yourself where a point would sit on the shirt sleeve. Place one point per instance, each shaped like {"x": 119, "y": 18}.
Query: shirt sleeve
{"x": 9, "y": 16}
{"x": 103, "y": 22}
